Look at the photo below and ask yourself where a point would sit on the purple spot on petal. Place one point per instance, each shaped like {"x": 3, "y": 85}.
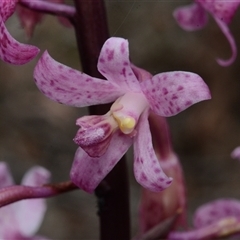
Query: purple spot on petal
{"x": 123, "y": 48}
{"x": 157, "y": 170}
{"x": 144, "y": 177}
{"x": 188, "y": 103}
{"x": 164, "y": 91}
{"x": 180, "y": 88}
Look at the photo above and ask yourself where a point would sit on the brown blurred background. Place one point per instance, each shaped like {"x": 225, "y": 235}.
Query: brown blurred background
{"x": 35, "y": 130}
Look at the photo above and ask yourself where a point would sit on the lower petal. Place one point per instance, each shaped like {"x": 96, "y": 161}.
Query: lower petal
{"x": 147, "y": 169}
{"x": 87, "y": 172}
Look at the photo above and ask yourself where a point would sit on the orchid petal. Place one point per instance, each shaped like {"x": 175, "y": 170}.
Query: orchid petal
{"x": 214, "y": 220}
{"x": 172, "y": 92}
{"x": 5, "y": 176}
{"x": 223, "y": 10}
{"x": 7, "y": 8}
{"x": 191, "y": 17}
{"x": 88, "y": 172}
{"x": 71, "y": 87}
{"x": 12, "y": 51}
{"x": 96, "y": 139}
{"x": 30, "y": 213}
{"x": 147, "y": 169}
{"x": 216, "y": 210}
{"x": 231, "y": 41}
{"x": 115, "y": 66}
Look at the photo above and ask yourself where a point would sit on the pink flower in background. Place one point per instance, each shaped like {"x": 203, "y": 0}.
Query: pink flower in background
{"x": 103, "y": 140}
{"x": 12, "y": 51}
{"x": 194, "y": 17}
{"x": 214, "y": 220}
{"x": 235, "y": 154}
{"x": 21, "y": 220}
{"x": 30, "y": 18}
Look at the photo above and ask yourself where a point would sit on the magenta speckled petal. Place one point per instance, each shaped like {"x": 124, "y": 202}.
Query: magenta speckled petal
{"x": 7, "y": 8}
{"x": 226, "y": 31}
{"x": 191, "y": 17}
{"x": 88, "y": 172}
{"x": 216, "y": 210}
{"x": 172, "y": 92}
{"x": 5, "y": 176}
{"x": 12, "y": 51}
{"x": 30, "y": 212}
{"x": 147, "y": 169}
{"x": 115, "y": 66}
{"x": 71, "y": 87}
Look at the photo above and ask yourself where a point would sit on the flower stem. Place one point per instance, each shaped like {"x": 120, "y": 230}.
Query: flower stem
{"x": 16, "y": 193}
{"x": 48, "y": 7}
{"x": 91, "y": 32}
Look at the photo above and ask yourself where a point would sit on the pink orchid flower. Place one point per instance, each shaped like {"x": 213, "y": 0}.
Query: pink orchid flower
{"x": 194, "y": 17}
{"x": 22, "y": 219}
{"x": 214, "y": 220}
{"x": 103, "y": 140}
{"x": 12, "y": 51}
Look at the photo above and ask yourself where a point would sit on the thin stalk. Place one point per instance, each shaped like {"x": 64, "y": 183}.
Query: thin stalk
{"x": 91, "y": 32}
{"x": 16, "y": 193}
{"x": 50, "y": 8}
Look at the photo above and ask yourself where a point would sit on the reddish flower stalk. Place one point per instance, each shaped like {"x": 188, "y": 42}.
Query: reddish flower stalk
{"x": 50, "y": 8}
{"x": 15, "y": 193}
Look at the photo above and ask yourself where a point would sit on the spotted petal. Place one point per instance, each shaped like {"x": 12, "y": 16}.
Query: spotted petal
{"x": 191, "y": 17}
{"x": 30, "y": 213}
{"x": 88, "y": 172}
{"x": 71, "y": 87}
{"x": 12, "y": 51}
{"x": 147, "y": 169}
{"x": 115, "y": 66}
{"x": 7, "y": 8}
{"x": 172, "y": 92}
{"x": 216, "y": 210}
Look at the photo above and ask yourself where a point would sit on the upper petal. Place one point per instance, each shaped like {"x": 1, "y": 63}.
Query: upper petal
{"x": 115, "y": 66}
{"x": 11, "y": 51}
{"x": 71, "y": 87}
{"x": 172, "y": 92}
{"x": 147, "y": 169}
{"x": 88, "y": 172}
{"x": 191, "y": 17}
{"x": 30, "y": 213}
